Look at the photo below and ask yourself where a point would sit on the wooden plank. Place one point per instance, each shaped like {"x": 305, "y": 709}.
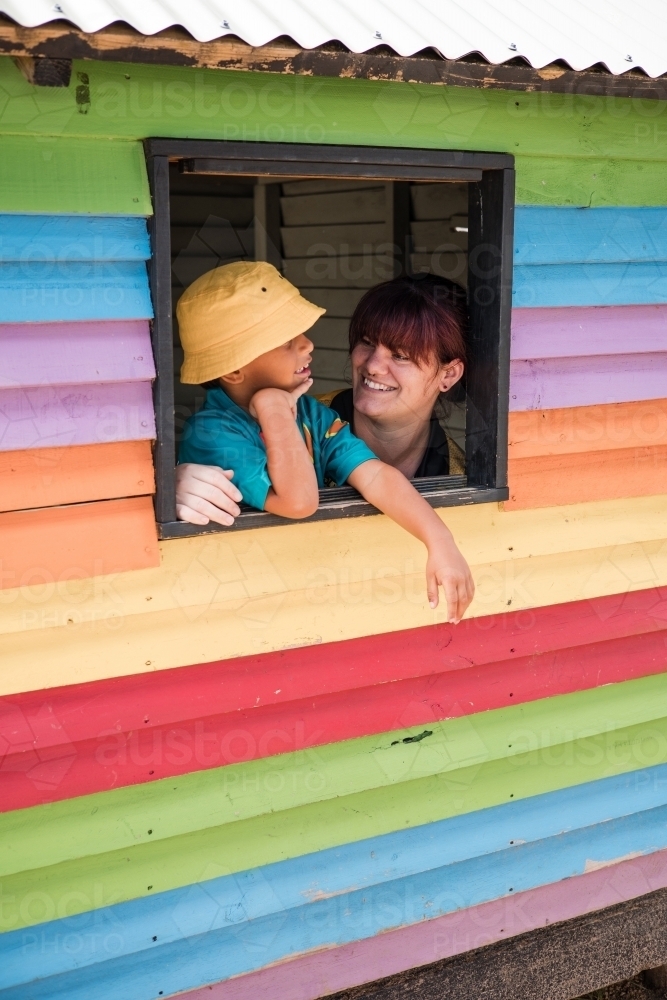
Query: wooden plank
{"x": 335, "y": 207}
{"x": 582, "y": 429}
{"x": 547, "y": 842}
{"x": 432, "y": 118}
{"x": 438, "y": 201}
{"x": 170, "y": 862}
{"x": 72, "y": 175}
{"x": 371, "y": 584}
{"x": 171, "y": 697}
{"x": 266, "y": 225}
{"x": 309, "y": 977}
{"x": 560, "y": 235}
{"x": 553, "y": 383}
{"x": 580, "y": 332}
{"x": 587, "y": 181}
{"x": 41, "y": 547}
{"x": 195, "y": 210}
{"x": 46, "y": 292}
{"x": 218, "y": 701}
{"x": 119, "y": 41}
{"x": 589, "y": 284}
{"x": 349, "y": 271}
{"x": 72, "y": 237}
{"x": 577, "y": 478}
{"x": 331, "y": 364}
{"x": 71, "y": 353}
{"x": 329, "y": 332}
{"x": 448, "y": 265}
{"x": 55, "y": 416}
{"x": 51, "y": 476}
{"x": 338, "y": 302}
{"x": 328, "y": 241}
{"x": 251, "y": 820}
{"x": 291, "y": 188}
{"x": 553, "y": 963}
{"x": 440, "y": 235}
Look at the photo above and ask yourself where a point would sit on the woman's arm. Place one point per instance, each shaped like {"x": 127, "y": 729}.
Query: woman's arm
{"x": 294, "y": 491}
{"x": 388, "y": 490}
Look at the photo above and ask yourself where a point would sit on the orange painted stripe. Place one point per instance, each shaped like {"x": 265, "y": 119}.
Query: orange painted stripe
{"x": 583, "y": 429}
{"x": 48, "y": 477}
{"x": 556, "y": 480}
{"x": 41, "y": 547}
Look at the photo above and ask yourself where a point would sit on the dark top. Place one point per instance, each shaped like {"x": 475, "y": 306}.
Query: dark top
{"x": 435, "y": 460}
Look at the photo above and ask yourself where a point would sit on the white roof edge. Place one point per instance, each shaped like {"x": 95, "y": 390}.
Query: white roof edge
{"x": 581, "y": 33}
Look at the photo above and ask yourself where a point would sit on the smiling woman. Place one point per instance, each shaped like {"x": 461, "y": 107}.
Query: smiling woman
{"x": 407, "y": 348}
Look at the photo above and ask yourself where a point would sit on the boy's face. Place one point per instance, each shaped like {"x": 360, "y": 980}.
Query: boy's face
{"x": 285, "y": 367}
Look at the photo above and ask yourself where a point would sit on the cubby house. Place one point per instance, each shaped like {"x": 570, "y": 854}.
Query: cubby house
{"x": 252, "y": 762}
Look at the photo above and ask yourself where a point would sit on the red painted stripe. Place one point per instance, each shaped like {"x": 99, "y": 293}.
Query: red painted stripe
{"x": 71, "y": 741}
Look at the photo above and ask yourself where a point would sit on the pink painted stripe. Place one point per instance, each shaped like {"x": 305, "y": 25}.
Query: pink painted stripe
{"x": 570, "y": 332}
{"x": 553, "y": 383}
{"x": 325, "y": 972}
{"x": 33, "y": 354}
{"x": 48, "y": 417}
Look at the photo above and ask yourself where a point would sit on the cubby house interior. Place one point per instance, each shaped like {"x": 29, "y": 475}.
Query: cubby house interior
{"x": 333, "y": 239}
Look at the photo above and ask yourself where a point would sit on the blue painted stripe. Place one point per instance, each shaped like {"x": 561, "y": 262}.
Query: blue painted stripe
{"x": 72, "y": 237}
{"x": 589, "y": 285}
{"x": 51, "y": 292}
{"x": 196, "y": 960}
{"x": 341, "y": 894}
{"x": 558, "y": 235}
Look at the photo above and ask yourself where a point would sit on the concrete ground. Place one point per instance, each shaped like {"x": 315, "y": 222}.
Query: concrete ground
{"x": 633, "y": 989}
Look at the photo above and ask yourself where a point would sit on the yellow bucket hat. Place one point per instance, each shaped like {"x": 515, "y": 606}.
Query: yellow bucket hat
{"x": 231, "y": 315}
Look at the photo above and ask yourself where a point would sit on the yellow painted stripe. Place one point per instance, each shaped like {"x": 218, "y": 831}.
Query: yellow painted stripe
{"x": 238, "y": 594}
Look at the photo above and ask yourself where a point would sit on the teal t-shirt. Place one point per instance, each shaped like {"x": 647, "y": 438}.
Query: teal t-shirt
{"x": 224, "y": 434}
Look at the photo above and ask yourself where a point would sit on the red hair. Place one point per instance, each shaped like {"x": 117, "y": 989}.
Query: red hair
{"x": 423, "y": 316}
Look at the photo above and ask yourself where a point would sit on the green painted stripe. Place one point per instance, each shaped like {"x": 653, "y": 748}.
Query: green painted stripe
{"x": 85, "y": 853}
{"x": 133, "y": 101}
{"x": 579, "y": 181}
{"x": 68, "y": 176}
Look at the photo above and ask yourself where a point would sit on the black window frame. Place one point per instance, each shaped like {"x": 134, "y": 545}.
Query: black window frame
{"x": 491, "y": 182}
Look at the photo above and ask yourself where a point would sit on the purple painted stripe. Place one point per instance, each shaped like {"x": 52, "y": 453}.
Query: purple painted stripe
{"x": 48, "y": 417}
{"x": 576, "y": 332}
{"x": 560, "y": 382}
{"x": 73, "y": 353}
{"x": 325, "y": 972}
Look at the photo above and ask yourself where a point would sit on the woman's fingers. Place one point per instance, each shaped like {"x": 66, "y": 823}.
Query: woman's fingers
{"x": 195, "y": 507}
{"x": 207, "y": 492}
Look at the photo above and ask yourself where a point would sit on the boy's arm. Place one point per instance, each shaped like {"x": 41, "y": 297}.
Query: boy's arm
{"x": 294, "y": 491}
{"x": 388, "y": 490}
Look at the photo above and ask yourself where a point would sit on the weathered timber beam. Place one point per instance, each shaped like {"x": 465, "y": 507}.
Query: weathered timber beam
{"x": 175, "y": 47}
{"x": 557, "y": 962}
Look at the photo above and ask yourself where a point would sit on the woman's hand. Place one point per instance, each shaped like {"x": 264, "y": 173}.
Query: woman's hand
{"x": 205, "y": 493}
{"x": 447, "y": 568}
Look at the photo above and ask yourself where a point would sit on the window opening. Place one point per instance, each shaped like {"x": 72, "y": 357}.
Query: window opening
{"x": 334, "y": 237}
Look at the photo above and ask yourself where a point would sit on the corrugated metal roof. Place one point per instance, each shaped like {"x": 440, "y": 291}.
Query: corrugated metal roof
{"x": 617, "y": 33}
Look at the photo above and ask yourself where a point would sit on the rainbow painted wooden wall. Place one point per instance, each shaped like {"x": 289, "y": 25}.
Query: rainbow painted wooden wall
{"x": 257, "y": 764}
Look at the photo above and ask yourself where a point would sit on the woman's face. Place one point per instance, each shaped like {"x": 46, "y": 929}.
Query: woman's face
{"x": 388, "y": 386}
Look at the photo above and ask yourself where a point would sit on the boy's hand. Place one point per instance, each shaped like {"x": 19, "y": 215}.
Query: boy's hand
{"x": 264, "y": 399}
{"x": 447, "y": 568}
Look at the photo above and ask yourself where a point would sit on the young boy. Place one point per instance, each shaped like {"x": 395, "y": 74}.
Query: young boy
{"x": 242, "y": 327}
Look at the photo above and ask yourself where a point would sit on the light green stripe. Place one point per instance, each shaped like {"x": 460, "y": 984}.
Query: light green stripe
{"x": 580, "y": 181}
{"x": 68, "y": 176}
{"x": 132, "y": 101}
{"x": 76, "y": 854}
